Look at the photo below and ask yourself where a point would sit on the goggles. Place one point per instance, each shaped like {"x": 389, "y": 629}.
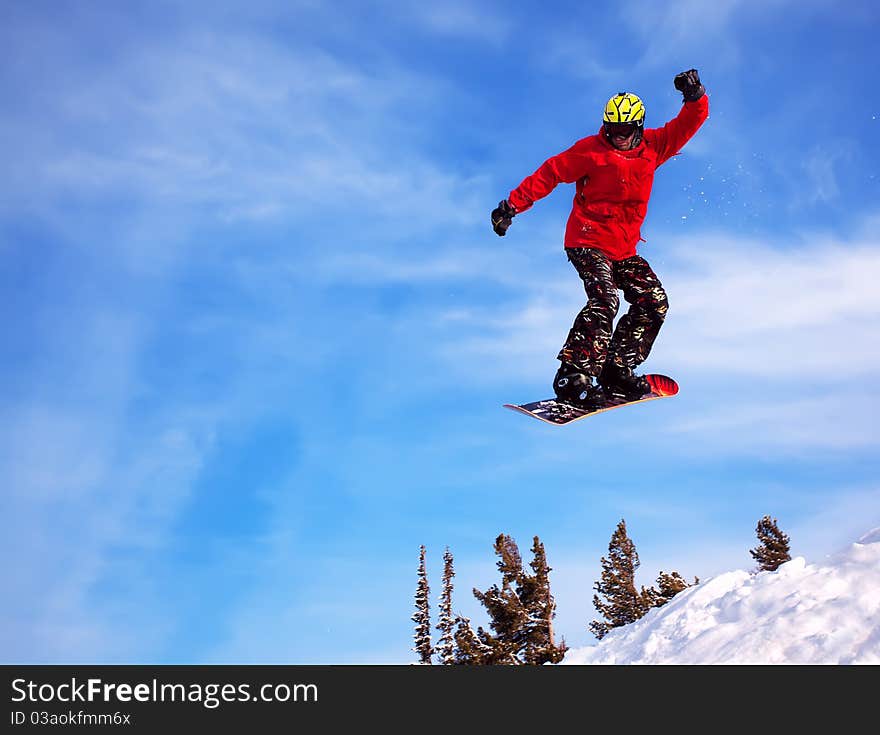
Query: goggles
{"x": 622, "y": 129}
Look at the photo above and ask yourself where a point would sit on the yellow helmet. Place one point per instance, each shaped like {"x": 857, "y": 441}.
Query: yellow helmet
{"x": 625, "y": 107}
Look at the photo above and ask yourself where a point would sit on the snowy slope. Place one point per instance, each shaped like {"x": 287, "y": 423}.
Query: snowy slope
{"x": 802, "y": 613}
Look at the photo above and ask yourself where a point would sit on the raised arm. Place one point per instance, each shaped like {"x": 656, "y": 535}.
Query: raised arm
{"x": 671, "y": 138}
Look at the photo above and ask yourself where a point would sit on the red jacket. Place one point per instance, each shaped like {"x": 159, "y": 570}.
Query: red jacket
{"x": 613, "y": 187}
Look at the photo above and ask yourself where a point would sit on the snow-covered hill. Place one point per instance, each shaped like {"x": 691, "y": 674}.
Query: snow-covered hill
{"x": 826, "y": 613}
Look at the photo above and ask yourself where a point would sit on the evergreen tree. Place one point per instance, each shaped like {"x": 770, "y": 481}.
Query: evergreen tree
{"x": 422, "y": 617}
{"x": 470, "y": 650}
{"x": 446, "y": 645}
{"x": 668, "y": 586}
{"x": 535, "y": 595}
{"x": 623, "y": 604}
{"x": 507, "y": 614}
{"x": 521, "y": 610}
{"x": 651, "y": 598}
{"x": 773, "y": 549}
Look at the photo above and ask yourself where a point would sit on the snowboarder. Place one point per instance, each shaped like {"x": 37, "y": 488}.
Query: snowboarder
{"x": 613, "y": 172}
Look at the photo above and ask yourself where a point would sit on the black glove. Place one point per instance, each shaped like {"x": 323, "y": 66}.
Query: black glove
{"x": 688, "y": 83}
{"x": 502, "y": 216}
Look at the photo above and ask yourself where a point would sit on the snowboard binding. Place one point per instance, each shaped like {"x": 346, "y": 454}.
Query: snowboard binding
{"x": 622, "y": 382}
{"x": 576, "y": 388}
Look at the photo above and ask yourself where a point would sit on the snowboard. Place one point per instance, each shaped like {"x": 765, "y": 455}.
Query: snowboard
{"x": 555, "y": 412}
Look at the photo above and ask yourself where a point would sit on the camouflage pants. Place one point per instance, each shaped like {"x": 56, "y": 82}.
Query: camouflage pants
{"x": 591, "y": 341}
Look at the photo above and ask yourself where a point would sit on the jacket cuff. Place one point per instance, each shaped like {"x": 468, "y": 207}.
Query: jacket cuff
{"x": 518, "y": 204}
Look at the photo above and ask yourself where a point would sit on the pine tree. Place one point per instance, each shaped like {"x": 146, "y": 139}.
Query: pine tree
{"x": 651, "y": 598}
{"x": 668, "y": 586}
{"x": 422, "y": 617}
{"x": 773, "y": 549}
{"x": 623, "y": 604}
{"x": 507, "y": 614}
{"x": 521, "y": 610}
{"x": 538, "y": 600}
{"x": 470, "y": 650}
{"x": 446, "y": 645}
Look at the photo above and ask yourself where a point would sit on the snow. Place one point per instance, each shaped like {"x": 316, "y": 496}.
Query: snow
{"x": 802, "y": 613}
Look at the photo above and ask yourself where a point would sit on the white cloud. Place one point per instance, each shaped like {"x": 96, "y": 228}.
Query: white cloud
{"x": 463, "y": 19}
{"x": 78, "y": 518}
{"x": 789, "y": 327}
{"x": 237, "y": 126}
{"x": 740, "y": 306}
{"x": 92, "y": 481}
{"x": 823, "y": 420}
{"x": 749, "y": 307}
{"x": 562, "y": 53}
{"x": 689, "y": 28}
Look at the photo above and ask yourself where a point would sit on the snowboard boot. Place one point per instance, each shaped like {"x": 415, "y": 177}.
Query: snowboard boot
{"x": 622, "y": 382}
{"x": 576, "y": 388}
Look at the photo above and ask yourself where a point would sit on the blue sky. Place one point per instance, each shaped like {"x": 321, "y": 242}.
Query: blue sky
{"x": 258, "y": 332}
